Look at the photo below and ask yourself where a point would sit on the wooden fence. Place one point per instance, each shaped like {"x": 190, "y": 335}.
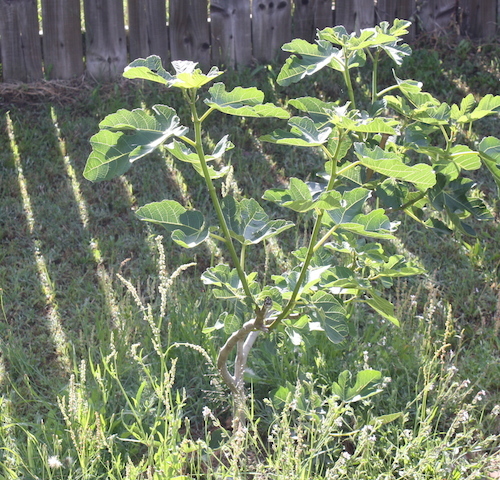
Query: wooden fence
{"x": 226, "y": 33}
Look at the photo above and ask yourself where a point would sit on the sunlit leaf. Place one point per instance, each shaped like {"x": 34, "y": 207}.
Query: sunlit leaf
{"x": 126, "y": 136}
{"x": 489, "y": 149}
{"x": 306, "y": 60}
{"x": 187, "y": 227}
{"x": 391, "y": 165}
{"x": 149, "y": 68}
{"x": 245, "y": 102}
{"x": 301, "y": 196}
{"x": 329, "y": 312}
{"x": 249, "y": 223}
{"x": 382, "y": 307}
{"x": 185, "y": 154}
{"x": 303, "y": 133}
{"x": 366, "y": 385}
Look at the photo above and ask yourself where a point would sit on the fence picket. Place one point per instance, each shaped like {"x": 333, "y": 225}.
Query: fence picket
{"x": 355, "y": 14}
{"x": 62, "y": 38}
{"x": 435, "y": 16}
{"x": 479, "y": 18}
{"x": 189, "y": 33}
{"x": 148, "y": 34}
{"x": 231, "y": 32}
{"x": 323, "y": 14}
{"x": 271, "y": 28}
{"x": 303, "y": 20}
{"x": 105, "y": 40}
{"x": 20, "y": 47}
{"x": 227, "y": 33}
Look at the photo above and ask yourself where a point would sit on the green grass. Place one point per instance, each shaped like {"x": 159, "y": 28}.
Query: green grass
{"x": 85, "y": 391}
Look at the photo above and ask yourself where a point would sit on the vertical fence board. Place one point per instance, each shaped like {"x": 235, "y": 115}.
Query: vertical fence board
{"x": 20, "y": 47}
{"x": 323, "y": 14}
{"x": 106, "y": 46}
{"x": 355, "y": 14}
{"x": 231, "y": 32}
{"x": 303, "y": 19}
{"x": 391, "y": 9}
{"x": 189, "y": 31}
{"x": 310, "y": 15}
{"x": 148, "y": 33}
{"x": 436, "y": 16}
{"x": 271, "y": 28}
{"x": 62, "y": 38}
{"x": 479, "y": 18}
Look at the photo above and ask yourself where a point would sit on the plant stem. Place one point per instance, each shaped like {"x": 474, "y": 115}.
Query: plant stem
{"x": 375, "y": 75}
{"x": 314, "y": 237}
{"x": 198, "y": 145}
{"x": 348, "y": 82}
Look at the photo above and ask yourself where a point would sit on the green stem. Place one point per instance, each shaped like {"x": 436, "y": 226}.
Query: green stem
{"x": 375, "y": 75}
{"x": 348, "y": 82}
{"x": 303, "y": 272}
{"x": 386, "y": 90}
{"x": 242, "y": 255}
{"x": 197, "y": 121}
{"x": 313, "y": 240}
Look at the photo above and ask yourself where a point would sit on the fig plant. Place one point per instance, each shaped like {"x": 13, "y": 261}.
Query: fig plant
{"x": 405, "y": 153}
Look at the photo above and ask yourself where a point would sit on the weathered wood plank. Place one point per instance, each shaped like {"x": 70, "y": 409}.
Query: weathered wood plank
{"x": 310, "y": 16}
{"x": 303, "y": 19}
{"x": 231, "y": 32}
{"x": 389, "y": 10}
{"x": 148, "y": 34}
{"x": 271, "y": 28}
{"x": 323, "y": 14}
{"x": 355, "y": 14}
{"x": 62, "y": 38}
{"x": 189, "y": 31}
{"x": 479, "y": 18}
{"x": 20, "y": 47}
{"x": 106, "y": 46}
{"x": 436, "y": 16}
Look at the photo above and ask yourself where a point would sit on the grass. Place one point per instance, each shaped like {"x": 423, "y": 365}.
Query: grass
{"x": 93, "y": 385}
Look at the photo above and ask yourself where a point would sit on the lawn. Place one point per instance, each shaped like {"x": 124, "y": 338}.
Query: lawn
{"x": 95, "y": 385}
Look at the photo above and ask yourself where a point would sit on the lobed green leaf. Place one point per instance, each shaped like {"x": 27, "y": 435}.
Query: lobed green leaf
{"x": 244, "y": 102}
{"x": 187, "y": 227}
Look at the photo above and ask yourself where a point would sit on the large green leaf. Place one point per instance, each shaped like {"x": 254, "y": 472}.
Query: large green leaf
{"x": 184, "y": 153}
{"x": 149, "y": 68}
{"x": 245, "y": 102}
{"x": 376, "y": 125}
{"x": 228, "y": 281}
{"x": 306, "y": 60}
{"x": 329, "y": 312}
{"x": 397, "y": 52}
{"x": 317, "y": 109}
{"x": 433, "y": 115}
{"x": 451, "y": 163}
{"x": 126, "y": 136}
{"x": 303, "y": 133}
{"x": 452, "y": 197}
{"x": 489, "y": 149}
{"x": 374, "y": 224}
{"x": 187, "y": 227}
{"x": 366, "y": 385}
{"x": 249, "y": 223}
{"x": 382, "y": 307}
{"x": 349, "y": 207}
{"x": 488, "y": 105}
{"x": 186, "y": 76}
{"x": 301, "y": 196}
{"x": 391, "y": 165}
